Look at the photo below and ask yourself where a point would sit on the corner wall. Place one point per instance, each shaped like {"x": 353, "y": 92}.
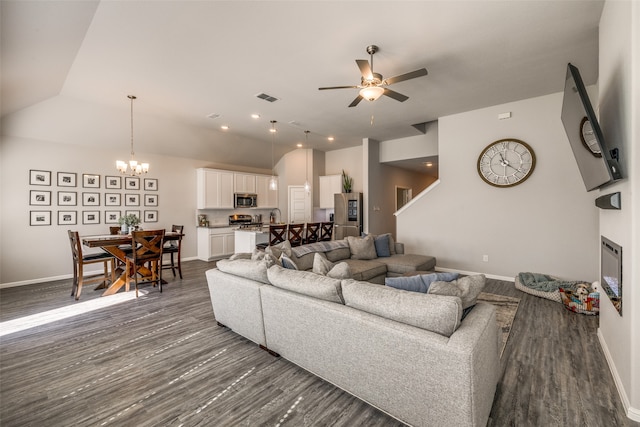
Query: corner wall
{"x": 548, "y": 224}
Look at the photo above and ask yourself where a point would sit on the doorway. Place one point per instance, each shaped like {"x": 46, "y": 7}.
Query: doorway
{"x": 403, "y": 196}
{"x": 299, "y": 204}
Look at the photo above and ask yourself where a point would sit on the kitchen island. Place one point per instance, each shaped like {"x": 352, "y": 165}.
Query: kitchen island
{"x": 246, "y": 239}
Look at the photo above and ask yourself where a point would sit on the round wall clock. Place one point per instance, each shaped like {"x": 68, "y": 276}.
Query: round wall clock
{"x": 506, "y": 162}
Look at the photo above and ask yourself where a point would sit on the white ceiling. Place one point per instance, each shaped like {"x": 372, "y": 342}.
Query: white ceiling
{"x": 187, "y": 59}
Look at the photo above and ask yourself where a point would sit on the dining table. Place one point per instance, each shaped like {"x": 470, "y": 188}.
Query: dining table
{"x": 113, "y": 244}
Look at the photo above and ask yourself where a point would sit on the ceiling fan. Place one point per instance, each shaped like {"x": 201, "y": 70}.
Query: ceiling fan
{"x": 372, "y": 85}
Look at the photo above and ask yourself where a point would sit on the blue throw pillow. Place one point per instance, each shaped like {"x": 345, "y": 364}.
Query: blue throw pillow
{"x": 382, "y": 245}
{"x": 411, "y": 283}
{"x": 288, "y": 262}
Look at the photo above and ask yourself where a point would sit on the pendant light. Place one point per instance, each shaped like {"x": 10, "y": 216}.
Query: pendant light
{"x": 133, "y": 166}
{"x": 273, "y": 182}
{"x": 307, "y": 186}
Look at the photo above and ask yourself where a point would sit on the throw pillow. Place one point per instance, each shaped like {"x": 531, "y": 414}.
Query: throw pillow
{"x": 392, "y": 245}
{"x": 411, "y": 283}
{"x": 381, "y": 243}
{"x": 340, "y": 271}
{"x": 419, "y": 282}
{"x": 279, "y": 249}
{"x": 321, "y": 265}
{"x": 287, "y": 262}
{"x": 240, "y": 255}
{"x": 257, "y": 255}
{"x": 362, "y": 247}
{"x": 467, "y": 288}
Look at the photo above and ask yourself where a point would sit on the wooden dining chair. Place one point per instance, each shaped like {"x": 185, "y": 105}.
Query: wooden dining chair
{"x": 313, "y": 232}
{"x": 326, "y": 231}
{"x": 148, "y": 249}
{"x": 295, "y": 234}
{"x": 277, "y": 234}
{"x": 174, "y": 247}
{"x": 80, "y": 260}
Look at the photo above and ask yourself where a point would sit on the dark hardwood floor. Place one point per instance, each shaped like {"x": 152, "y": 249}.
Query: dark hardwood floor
{"x": 161, "y": 360}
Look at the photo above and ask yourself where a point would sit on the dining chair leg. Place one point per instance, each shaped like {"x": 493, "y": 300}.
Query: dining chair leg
{"x": 80, "y": 280}
{"x": 75, "y": 279}
{"x": 179, "y": 266}
{"x": 127, "y": 276}
{"x": 173, "y": 267}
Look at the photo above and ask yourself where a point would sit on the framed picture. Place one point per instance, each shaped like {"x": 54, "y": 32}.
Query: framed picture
{"x": 112, "y": 199}
{"x": 90, "y": 199}
{"x": 40, "y": 218}
{"x": 67, "y": 198}
{"x": 113, "y": 182}
{"x": 67, "y": 179}
{"x": 136, "y": 213}
{"x": 67, "y": 217}
{"x": 40, "y": 198}
{"x": 111, "y": 217}
{"x": 150, "y": 216}
{"x": 90, "y": 180}
{"x": 37, "y": 177}
{"x": 132, "y": 200}
{"x": 150, "y": 184}
{"x": 151, "y": 200}
{"x": 131, "y": 183}
{"x": 91, "y": 217}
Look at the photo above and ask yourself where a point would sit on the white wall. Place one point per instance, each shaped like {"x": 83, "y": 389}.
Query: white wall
{"x": 412, "y": 147}
{"x": 32, "y": 253}
{"x": 619, "y": 108}
{"x": 548, "y": 224}
{"x": 349, "y": 160}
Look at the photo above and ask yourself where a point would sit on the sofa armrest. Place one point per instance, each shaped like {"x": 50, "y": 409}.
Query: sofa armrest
{"x": 399, "y": 248}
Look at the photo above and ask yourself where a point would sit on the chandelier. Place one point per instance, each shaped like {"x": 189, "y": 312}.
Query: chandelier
{"x": 273, "y": 181}
{"x": 133, "y": 167}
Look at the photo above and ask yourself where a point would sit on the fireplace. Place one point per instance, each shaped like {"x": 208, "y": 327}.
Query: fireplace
{"x": 611, "y": 270}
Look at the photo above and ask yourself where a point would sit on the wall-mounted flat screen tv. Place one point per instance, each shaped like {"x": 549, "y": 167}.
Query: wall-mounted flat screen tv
{"x": 597, "y": 163}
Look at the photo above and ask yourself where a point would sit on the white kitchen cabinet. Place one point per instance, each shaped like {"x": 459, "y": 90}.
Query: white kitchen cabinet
{"x": 266, "y": 198}
{"x": 246, "y": 240}
{"x": 215, "y": 243}
{"x": 244, "y": 183}
{"x": 214, "y": 189}
{"x": 329, "y": 185}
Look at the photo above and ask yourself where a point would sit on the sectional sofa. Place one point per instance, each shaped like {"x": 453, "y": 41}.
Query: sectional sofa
{"x": 412, "y": 355}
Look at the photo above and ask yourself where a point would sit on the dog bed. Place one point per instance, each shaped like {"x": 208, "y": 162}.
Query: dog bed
{"x": 553, "y": 296}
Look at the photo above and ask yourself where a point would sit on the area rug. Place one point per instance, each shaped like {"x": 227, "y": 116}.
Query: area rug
{"x": 506, "y": 309}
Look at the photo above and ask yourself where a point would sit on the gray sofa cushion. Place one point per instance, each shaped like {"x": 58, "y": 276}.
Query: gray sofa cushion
{"x": 365, "y": 269}
{"x": 306, "y": 283}
{"x": 466, "y": 288}
{"x": 362, "y": 247}
{"x": 405, "y": 263}
{"x": 254, "y": 270}
{"x": 338, "y": 254}
{"x": 435, "y": 313}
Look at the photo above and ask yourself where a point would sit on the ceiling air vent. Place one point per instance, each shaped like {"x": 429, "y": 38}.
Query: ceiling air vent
{"x": 267, "y": 97}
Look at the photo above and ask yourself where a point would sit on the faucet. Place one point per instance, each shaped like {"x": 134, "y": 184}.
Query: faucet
{"x": 272, "y": 215}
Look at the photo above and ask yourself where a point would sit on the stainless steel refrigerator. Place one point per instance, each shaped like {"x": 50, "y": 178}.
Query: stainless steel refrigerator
{"x": 348, "y": 215}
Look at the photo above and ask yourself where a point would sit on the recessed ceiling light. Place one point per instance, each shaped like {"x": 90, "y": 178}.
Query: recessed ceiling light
{"x": 428, "y": 164}
{"x": 255, "y": 116}
{"x": 224, "y": 127}
{"x": 330, "y": 138}
{"x": 299, "y": 145}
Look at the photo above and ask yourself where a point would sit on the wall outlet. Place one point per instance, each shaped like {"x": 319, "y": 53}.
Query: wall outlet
{"x": 485, "y": 258}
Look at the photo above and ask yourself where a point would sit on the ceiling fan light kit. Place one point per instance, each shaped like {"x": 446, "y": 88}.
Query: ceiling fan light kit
{"x": 372, "y": 85}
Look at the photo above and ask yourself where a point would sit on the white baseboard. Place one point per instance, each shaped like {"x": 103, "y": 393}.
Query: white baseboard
{"x": 471, "y": 273}
{"x": 632, "y": 413}
{"x": 61, "y": 277}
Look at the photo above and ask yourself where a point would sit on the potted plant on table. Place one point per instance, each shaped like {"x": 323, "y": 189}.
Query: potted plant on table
{"x": 128, "y": 223}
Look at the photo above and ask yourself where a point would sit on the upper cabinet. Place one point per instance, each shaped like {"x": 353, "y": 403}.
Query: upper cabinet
{"x": 244, "y": 183}
{"x": 266, "y": 198}
{"x": 329, "y": 185}
{"x": 215, "y": 189}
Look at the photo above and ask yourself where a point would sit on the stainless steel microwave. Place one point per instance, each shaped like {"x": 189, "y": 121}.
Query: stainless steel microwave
{"x": 245, "y": 200}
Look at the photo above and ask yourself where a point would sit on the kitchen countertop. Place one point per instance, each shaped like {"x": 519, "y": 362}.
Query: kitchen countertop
{"x": 222, "y": 225}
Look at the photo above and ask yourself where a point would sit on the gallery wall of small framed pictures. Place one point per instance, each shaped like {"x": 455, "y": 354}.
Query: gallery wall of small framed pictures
{"x": 119, "y": 191}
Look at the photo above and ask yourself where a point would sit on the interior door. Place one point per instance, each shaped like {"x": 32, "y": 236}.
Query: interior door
{"x": 299, "y": 204}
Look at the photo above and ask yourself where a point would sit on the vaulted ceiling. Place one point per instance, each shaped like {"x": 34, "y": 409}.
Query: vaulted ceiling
{"x": 76, "y": 61}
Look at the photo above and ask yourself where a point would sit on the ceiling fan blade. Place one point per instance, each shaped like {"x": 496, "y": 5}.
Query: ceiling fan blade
{"x": 356, "y": 101}
{"x": 338, "y": 87}
{"x": 402, "y": 77}
{"x": 365, "y": 68}
{"x": 395, "y": 95}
